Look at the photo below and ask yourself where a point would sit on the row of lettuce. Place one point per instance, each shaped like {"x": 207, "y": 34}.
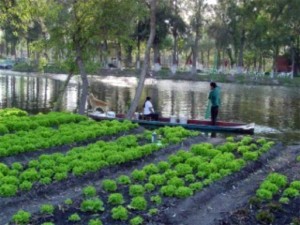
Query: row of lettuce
{"x": 136, "y": 197}
{"x": 275, "y": 192}
{"x": 78, "y": 161}
{"x": 13, "y": 120}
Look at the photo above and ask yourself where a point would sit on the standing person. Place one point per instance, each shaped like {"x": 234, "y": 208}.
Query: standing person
{"x": 149, "y": 110}
{"x": 214, "y": 98}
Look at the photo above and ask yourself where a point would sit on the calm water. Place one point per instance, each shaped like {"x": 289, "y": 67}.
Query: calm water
{"x": 275, "y": 110}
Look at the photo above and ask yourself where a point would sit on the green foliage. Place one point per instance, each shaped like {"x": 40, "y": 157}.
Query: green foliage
{"x": 21, "y": 217}
{"x": 116, "y": 199}
{"x": 278, "y": 179}
{"x": 74, "y": 217}
{"x": 250, "y": 156}
{"x": 152, "y": 212}
{"x": 92, "y": 205}
{"x": 246, "y": 140}
{"x": 156, "y": 199}
{"x": 264, "y": 194}
{"x": 183, "y": 169}
{"x": 265, "y": 217}
{"x": 8, "y": 190}
{"x": 176, "y": 181}
{"x": 68, "y": 201}
{"x": 168, "y": 190}
{"x": 290, "y": 192}
{"x": 109, "y": 185}
{"x": 138, "y": 203}
{"x": 123, "y": 179}
{"x": 17, "y": 166}
{"x": 197, "y": 186}
{"x": 150, "y": 169}
{"x": 267, "y": 185}
{"x": 136, "y": 220}
{"x": 295, "y": 184}
{"x": 284, "y": 200}
{"x": 138, "y": 175}
{"x": 89, "y": 191}
{"x": 48, "y": 223}
{"x": 119, "y": 213}
{"x": 136, "y": 190}
{"x": 95, "y": 222}
{"x": 149, "y": 187}
{"x": 157, "y": 179}
{"x": 163, "y": 166}
{"x": 47, "y": 209}
{"x": 190, "y": 178}
{"x": 183, "y": 192}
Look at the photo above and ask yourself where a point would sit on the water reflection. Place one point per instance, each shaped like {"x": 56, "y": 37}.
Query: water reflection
{"x": 274, "y": 109}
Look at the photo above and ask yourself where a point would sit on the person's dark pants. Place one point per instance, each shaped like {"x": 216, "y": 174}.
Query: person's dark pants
{"x": 153, "y": 116}
{"x": 214, "y": 114}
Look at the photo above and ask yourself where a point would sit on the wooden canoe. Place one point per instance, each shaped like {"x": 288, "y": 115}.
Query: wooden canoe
{"x": 192, "y": 124}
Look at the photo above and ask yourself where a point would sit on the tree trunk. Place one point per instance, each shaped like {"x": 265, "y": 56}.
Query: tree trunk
{"x": 195, "y": 53}
{"x": 58, "y": 101}
{"x": 85, "y": 83}
{"x": 140, "y": 86}
{"x": 138, "y": 55}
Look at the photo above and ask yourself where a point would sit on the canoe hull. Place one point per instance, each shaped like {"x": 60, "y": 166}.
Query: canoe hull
{"x": 200, "y": 125}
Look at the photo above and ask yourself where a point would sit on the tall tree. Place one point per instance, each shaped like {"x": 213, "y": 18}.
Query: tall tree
{"x": 141, "y": 82}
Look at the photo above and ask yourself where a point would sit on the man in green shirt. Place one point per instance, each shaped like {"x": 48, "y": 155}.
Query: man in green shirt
{"x": 214, "y": 98}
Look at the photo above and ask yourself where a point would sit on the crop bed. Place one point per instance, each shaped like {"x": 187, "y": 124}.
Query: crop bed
{"x": 84, "y": 172}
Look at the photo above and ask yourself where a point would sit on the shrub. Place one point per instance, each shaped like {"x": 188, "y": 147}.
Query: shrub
{"x": 92, "y": 205}
{"x": 136, "y": 220}
{"x": 89, "y": 191}
{"x": 183, "y": 192}
{"x": 138, "y": 203}
{"x": 109, "y": 185}
{"x": 47, "y": 209}
{"x": 119, "y": 213}
{"x": 21, "y": 217}
{"x": 136, "y": 190}
{"x": 116, "y": 199}
{"x": 74, "y": 217}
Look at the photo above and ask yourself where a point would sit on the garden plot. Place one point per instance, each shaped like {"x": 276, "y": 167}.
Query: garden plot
{"x": 142, "y": 195}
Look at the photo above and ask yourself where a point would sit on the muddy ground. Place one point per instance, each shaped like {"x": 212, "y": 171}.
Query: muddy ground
{"x": 220, "y": 203}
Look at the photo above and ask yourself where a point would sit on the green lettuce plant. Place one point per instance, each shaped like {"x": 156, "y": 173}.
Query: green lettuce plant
{"x": 136, "y": 190}
{"x": 183, "y": 192}
{"x": 157, "y": 179}
{"x": 89, "y": 191}
{"x": 123, "y": 179}
{"x": 92, "y": 205}
{"x": 74, "y": 217}
{"x": 138, "y": 203}
{"x": 95, "y": 222}
{"x": 109, "y": 185}
{"x": 116, "y": 199}
{"x": 119, "y": 213}
{"x": 47, "y": 209}
{"x": 136, "y": 220}
{"x": 21, "y": 217}
{"x": 156, "y": 199}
